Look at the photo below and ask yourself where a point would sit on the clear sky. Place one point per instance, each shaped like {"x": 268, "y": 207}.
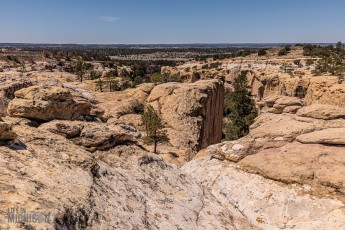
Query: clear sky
{"x": 171, "y": 21}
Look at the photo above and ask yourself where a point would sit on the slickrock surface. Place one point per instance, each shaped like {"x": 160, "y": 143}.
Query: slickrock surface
{"x": 122, "y": 188}
{"x": 267, "y": 204}
{"x": 332, "y": 136}
{"x": 50, "y": 103}
{"x": 322, "y": 111}
{"x": 192, "y": 111}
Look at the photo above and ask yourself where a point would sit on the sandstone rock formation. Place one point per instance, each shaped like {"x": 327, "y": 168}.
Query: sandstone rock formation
{"x": 322, "y": 111}
{"x": 298, "y": 159}
{"x": 93, "y": 136}
{"x": 265, "y": 203}
{"x": 331, "y": 136}
{"x": 192, "y": 111}
{"x": 314, "y": 90}
{"x": 50, "y": 103}
{"x": 122, "y": 188}
{"x": 7, "y": 89}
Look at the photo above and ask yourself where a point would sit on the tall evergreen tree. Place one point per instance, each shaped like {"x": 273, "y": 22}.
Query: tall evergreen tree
{"x": 154, "y": 128}
{"x": 239, "y": 109}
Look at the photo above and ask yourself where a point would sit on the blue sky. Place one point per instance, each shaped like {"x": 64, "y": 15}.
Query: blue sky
{"x": 171, "y": 21}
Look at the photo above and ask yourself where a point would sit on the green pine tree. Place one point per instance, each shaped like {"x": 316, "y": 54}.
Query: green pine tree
{"x": 239, "y": 109}
{"x": 154, "y": 128}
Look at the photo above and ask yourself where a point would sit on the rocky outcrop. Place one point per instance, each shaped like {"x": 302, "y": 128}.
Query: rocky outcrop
{"x": 50, "y": 103}
{"x": 8, "y": 88}
{"x": 298, "y": 159}
{"x": 193, "y": 112}
{"x": 265, "y": 203}
{"x": 322, "y": 111}
{"x": 332, "y": 136}
{"x": 122, "y": 188}
{"x": 93, "y": 136}
{"x": 314, "y": 90}
{"x": 281, "y": 104}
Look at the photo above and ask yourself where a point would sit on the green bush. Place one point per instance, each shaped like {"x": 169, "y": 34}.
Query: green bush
{"x": 283, "y": 52}
{"x": 262, "y": 52}
{"x": 157, "y": 78}
{"x": 239, "y": 109}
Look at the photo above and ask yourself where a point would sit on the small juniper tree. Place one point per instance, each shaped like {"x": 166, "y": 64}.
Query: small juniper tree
{"x": 239, "y": 109}
{"x": 154, "y": 128}
{"x": 79, "y": 69}
{"x": 99, "y": 84}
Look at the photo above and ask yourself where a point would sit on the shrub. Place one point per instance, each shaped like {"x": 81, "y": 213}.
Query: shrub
{"x": 282, "y": 52}
{"x": 157, "y": 78}
{"x": 239, "y": 109}
{"x": 297, "y": 62}
{"x": 262, "y": 52}
{"x": 309, "y": 62}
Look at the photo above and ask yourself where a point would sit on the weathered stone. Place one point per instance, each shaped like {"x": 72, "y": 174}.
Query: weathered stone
{"x": 6, "y": 132}
{"x": 265, "y": 203}
{"x": 291, "y": 109}
{"x": 50, "y": 174}
{"x": 332, "y": 136}
{"x": 49, "y": 103}
{"x": 7, "y": 89}
{"x": 289, "y": 101}
{"x": 194, "y": 109}
{"x": 321, "y": 111}
{"x": 93, "y": 136}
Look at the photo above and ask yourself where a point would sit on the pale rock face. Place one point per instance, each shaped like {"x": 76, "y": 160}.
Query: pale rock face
{"x": 316, "y": 90}
{"x": 289, "y": 175}
{"x": 50, "y": 103}
{"x": 279, "y": 105}
{"x": 291, "y": 109}
{"x": 8, "y": 88}
{"x": 93, "y": 136}
{"x": 192, "y": 112}
{"x": 266, "y": 204}
{"x": 332, "y": 136}
{"x": 237, "y": 147}
{"x": 289, "y": 101}
{"x": 322, "y": 111}
{"x": 317, "y": 165}
{"x": 122, "y": 188}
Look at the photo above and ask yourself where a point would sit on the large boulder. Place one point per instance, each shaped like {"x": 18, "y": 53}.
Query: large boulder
{"x": 91, "y": 135}
{"x": 322, "y": 111}
{"x": 331, "y": 136}
{"x": 194, "y": 110}
{"x": 284, "y": 104}
{"x": 50, "y": 103}
{"x": 8, "y": 88}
